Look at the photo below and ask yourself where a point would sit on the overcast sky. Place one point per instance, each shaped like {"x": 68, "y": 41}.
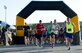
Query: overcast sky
{"x": 15, "y": 6}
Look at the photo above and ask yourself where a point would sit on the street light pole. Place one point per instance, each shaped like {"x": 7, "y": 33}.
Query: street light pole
{"x": 5, "y": 12}
{"x": 6, "y": 38}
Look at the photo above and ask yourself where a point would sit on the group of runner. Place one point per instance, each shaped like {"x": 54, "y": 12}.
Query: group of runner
{"x": 51, "y": 34}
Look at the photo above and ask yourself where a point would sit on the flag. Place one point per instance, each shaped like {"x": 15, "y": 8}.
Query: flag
{"x": 5, "y": 7}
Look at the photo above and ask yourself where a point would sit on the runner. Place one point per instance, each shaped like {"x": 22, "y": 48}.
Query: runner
{"x": 26, "y": 34}
{"x": 45, "y": 34}
{"x": 50, "y": 33}
{"x": 34, "y": 37}
{"x": 39, "y": 30}
{"x": 70, "y": 29}
{"x": 55, "y": 31}
{"x": 61, "y": 34}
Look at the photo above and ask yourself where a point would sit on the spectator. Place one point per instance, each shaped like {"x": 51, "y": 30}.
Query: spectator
{"x": 8, "y": 36}
{"x": 3, "y": 35}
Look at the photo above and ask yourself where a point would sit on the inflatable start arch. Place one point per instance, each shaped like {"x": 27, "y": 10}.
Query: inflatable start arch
{"x": 43, "y": 5}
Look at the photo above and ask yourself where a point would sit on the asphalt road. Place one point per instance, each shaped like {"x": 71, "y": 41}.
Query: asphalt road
{"x": 37, "y": 49}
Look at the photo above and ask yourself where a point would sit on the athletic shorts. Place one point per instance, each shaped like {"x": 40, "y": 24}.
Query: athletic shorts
{"x": 44, "y": 35}
{"x": 49, "y": 34}
{"x": 33, "y": 35}
{"x": 61, "y": 35}
{"x": 38, "y": 36}
{"x": 69, "y": 35}
{"x": 26, "y": 34}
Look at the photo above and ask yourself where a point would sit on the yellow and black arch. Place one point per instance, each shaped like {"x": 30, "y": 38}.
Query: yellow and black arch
{"x": 43, "y": 5}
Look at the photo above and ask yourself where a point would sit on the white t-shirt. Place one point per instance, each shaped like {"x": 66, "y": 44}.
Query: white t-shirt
{"x": 54, "y": 28}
